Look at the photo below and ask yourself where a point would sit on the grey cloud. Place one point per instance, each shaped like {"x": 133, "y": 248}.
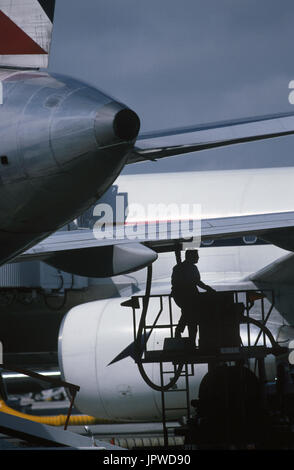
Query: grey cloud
{"x": 184, "y": 62}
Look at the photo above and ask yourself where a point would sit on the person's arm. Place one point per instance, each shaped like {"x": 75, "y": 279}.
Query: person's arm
{"x": 201, "y": 284}
{"x": 205, "y": 286}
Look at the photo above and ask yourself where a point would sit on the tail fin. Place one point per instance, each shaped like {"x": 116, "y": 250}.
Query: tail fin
{"x": 25, "y": 32}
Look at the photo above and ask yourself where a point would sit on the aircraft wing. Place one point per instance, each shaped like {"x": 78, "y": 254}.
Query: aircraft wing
{"x": 129, "y": 247}
{"x": 154, "y": 145}
{"x": 170, "y": 233}
{"x": 154, "y": 232}
{"x": 255, "y": 224}
{"x": 25, "y": 32}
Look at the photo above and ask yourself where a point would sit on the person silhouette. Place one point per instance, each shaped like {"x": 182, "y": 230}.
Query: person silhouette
{"x": 185, "y": 282}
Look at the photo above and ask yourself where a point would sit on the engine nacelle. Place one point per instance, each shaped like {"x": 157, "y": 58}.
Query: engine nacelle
{"x": 91, "y": 336}
{"x": 104, "y": 261}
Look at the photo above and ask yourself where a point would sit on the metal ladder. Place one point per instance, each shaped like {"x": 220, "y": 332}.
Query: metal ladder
{"x": 187, "y": 409}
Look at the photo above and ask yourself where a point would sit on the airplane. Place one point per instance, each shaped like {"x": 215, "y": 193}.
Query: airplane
{"x": 64, "y": 143}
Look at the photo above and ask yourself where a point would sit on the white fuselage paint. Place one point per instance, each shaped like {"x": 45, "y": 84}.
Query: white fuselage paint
{"x": 226, "y": 193}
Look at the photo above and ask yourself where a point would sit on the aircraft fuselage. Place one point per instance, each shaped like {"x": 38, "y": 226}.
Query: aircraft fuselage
{"x": 62, "y": 144}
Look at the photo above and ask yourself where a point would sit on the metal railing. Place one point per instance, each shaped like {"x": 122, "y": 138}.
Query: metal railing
{"x": 73, "y": 389}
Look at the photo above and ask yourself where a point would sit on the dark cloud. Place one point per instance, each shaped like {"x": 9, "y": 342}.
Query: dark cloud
{"x": 180, "y": 63}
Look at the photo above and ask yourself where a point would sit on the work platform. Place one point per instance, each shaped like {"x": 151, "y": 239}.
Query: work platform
{"x": 234, "y": 390}
{"x": 197, "y": 356}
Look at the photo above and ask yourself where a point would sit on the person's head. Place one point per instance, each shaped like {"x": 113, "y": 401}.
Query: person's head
{"x": 192, "y": 256}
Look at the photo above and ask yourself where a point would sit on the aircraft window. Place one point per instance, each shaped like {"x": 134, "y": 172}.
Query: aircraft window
{"x": 207, "y": 242}
{"x": 4, "y": 160}
{"x": 249, "y": 239}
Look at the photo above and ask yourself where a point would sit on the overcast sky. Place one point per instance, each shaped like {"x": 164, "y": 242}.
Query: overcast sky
{"x": 184, "y": 62}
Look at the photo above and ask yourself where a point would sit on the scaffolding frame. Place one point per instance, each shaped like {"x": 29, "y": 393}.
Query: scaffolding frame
{"x": 182, "y": 361}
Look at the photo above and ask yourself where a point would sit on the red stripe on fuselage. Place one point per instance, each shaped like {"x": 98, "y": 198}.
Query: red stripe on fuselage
{"x": 13, "y": 40}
